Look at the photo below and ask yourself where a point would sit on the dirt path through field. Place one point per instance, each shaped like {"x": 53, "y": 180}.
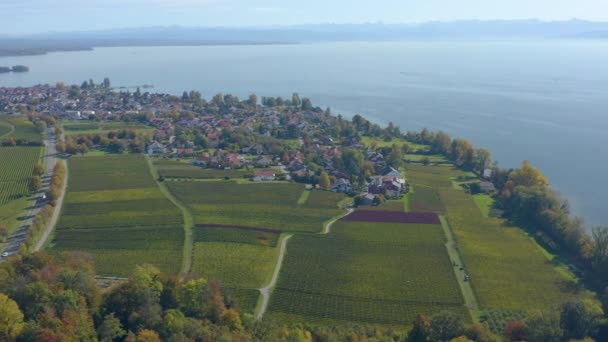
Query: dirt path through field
{"x": 9, "y": 132}
{"x": 265, "y": 291}
{"x": 188, "y": 220}
{"x": 468, "y": 294}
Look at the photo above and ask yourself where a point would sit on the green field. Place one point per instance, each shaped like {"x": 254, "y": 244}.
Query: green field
{"x": 267, "y": 205}
{"x": 233, "y": 264}
{"x": 23, "y": 129}
{"x": 16, "y": 167}
{"x": 425, "y": 199}
{"x": 367, "y": 141}
{"x": 115, "y": 211}
{"x": 508, "y": 270}
{"x": 92, "y": 127}
{"x": 181, "y": 169}
{"x": 368, "y": 273}
{"x": 227, "y": 245}
{"x": 5, "y": 129}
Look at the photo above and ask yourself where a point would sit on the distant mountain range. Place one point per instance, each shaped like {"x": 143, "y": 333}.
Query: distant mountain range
{"x": 176, "y": 35}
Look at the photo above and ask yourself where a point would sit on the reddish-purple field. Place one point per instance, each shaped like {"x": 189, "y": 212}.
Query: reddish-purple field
{"x": 392, "y": 217}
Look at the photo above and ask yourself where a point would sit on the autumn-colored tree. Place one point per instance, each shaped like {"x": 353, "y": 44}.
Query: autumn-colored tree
{"x": 324, "y": 181}
{"x": 38, "y": 170}
{"x": 528, "y": 176}
{"x": 146, "y": 335}
{"x": 231, "y": 319}
{"x": 35, "y": 183}
{"x": 514, "y": 331}
{"x": 11, "y": 319}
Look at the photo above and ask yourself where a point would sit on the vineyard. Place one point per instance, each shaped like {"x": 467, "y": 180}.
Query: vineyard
{"x": 367, "y": 272}
{"x": 5, "y": 128}
{"x": 16, "y": 171}
{"x": 177, "y": 169}
{"x": 392, "y": 217}
{"x": 252, "y": 236}
{"x": 82, "y": 128}
{"x": 233, "y": 264}
{"x": 508, "y": 270}
{"x": 115, "y": 211}
{"x": 24, "y": 129}
{"x": 260, "y": 205}
{"x": 425, "y": 198}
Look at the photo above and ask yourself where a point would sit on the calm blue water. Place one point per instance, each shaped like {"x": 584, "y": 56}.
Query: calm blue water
{"x": 545, "y": 101}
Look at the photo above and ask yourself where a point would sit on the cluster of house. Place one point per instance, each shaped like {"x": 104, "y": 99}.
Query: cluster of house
{"x": 51, "y": 100}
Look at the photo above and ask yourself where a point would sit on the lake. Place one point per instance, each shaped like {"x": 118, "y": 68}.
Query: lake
{"x": 544, "y": 101}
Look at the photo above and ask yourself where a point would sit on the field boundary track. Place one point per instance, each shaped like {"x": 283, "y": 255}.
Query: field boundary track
{"x": 50, "y": 227}
{"x": 266, "y": 291}
{"x": 12, "y": 127}
{"x": 468, "y": 294}
{"x": 188, "y": 248}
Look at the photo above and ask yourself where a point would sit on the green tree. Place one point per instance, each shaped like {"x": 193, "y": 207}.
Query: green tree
{"x": 395, "y": 157}
{"x": 192, "y": 297}
{"x": 11, "y": 319}
{"x": 421, "y": 329}
{"x": 542, "y": 327}
{"x": 352, "y": 161}
{"x": 41, "y": 126}
{"x": 253, "y": 100}
{"x": 576, "y": 320}
{"x": 110, "y": 329}
{"x": 446, "y": 326}
{"x": 483, "y": 159}
{"x": 295, "y": 100}
{"x": 324, "y": 181}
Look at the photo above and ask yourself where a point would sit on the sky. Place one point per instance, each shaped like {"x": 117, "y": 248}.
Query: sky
{"x": 33, "y": 16}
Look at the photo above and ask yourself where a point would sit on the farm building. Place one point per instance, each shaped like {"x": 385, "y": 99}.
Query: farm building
{"x": 367, "y": 199}
{"x": 264, "y": 176}
{"x": 342, "y": 185}
{"x": 156, "y": 148}
{"x": 487, "y": 187}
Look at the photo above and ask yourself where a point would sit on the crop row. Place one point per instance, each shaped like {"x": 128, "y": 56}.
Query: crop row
{"x": 176, "y": 169}
{"x": 24, "y": 129}
{"x": 320, "y": 307}
{"x": 16, "y": 167}
{"x": 118, "y": 228}
{"x": 265, "y": 237}
{"x": 390, "y": 233}
{"x": 369, "y": 270}
{"x": 426, "y": 199}
{"x": 392, "y": 217}
{"x": 233, "y": 264}
{"x": 107, "y": 173}
{"x": 260, "y": 205}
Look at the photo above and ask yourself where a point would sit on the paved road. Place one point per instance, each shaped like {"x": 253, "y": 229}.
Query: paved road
{"x": 17, "y": 238}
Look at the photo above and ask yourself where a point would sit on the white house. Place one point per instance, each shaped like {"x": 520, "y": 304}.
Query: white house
{"x": 156, "y": 148}
{"x": 264, "y": 176}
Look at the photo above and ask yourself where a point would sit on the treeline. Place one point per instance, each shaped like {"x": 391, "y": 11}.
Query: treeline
{"x": 54, "y": 297}
{"x": 42, "y": 219}
{"x": 47, "y": 297}
{"x": 527, "y": 199}
{"x": 113, "y": 142}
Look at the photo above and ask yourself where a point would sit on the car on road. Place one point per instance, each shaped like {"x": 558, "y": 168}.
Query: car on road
{"x": 5, "y": 254}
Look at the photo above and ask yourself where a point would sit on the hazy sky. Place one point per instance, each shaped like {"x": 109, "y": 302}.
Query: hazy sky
{"x": 26, "y": 16}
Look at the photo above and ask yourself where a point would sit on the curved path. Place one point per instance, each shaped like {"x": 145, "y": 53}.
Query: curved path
{"x": 266, "y": 291}
{"x": 188, "y": 220}
{"x": 9, "y": 132}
